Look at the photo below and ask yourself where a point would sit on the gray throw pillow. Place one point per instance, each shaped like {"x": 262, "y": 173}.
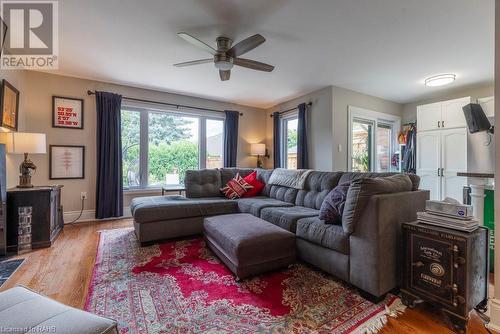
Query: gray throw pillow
{"x": 333, "y": 205}
{"x": 362, "y": 189}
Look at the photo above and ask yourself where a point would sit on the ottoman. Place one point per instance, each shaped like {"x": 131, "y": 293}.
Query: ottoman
{"x": 249, "y": 245}
{"x": 25, "y": 311}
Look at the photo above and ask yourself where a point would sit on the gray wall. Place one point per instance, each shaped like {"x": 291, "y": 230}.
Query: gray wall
{"x": 329, "y": 123}
{"x": 36, "y": 95}
{"x": 481, "y": 157}
{"x": 320, "y": 133}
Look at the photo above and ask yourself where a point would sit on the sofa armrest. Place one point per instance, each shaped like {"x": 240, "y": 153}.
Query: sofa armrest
{"x": 375, "y": 251}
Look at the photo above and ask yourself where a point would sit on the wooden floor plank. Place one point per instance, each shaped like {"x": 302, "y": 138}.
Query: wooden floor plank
{"x": 63, "y": 272}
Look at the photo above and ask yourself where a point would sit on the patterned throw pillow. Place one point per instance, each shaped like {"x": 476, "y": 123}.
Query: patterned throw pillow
{"x": 332, "y": 207}
{"x": 236, "y": 187}
{"x": 257, "y": 185}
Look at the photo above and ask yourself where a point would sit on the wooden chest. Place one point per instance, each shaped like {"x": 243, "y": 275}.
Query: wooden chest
{"x": 447, "y": 268}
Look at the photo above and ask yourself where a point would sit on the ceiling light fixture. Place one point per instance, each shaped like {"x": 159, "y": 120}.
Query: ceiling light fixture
{"x": 440, "y": 80}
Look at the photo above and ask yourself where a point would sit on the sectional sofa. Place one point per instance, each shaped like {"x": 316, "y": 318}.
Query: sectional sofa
{"x": 365, "y": 255}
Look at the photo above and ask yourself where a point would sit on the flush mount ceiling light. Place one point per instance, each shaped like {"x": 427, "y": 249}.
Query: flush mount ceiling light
{"x": 440, "y": 80}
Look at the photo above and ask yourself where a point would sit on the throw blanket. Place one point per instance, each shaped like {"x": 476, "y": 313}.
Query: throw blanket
{"x": 289, "y": 177}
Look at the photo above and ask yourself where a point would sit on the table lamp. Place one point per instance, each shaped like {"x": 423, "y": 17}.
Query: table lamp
{"x": 25, "y": 143}
{"x": 258, "y": 150}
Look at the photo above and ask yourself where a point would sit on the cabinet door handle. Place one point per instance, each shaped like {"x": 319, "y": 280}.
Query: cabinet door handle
{"x": 438, "y": 171}
{"x": 438, "y": 125}
{"x": 442, "y": 124}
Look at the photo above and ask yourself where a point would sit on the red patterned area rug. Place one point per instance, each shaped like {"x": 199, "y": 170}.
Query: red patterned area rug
{"x": 181, "y": 287}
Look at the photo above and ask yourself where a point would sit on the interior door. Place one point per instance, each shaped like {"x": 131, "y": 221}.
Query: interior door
{"x": 429, "y": 116}
{"x": 452, "y": 114}
{"x": 453, "y": 160}
{"x": 429, "y": 162}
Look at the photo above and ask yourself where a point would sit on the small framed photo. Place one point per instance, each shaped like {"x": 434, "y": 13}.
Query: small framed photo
{"x": 67, "y": 112}
{"x": 9, "y": 106}
{"x": 66, "y": 162}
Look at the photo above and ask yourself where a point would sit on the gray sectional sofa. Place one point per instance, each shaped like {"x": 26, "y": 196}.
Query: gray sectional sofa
{"x": 365, "y": 254}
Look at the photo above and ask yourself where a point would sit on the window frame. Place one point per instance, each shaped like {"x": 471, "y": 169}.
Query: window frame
{"x": 375, "y": 117}
{"x": 144, "y": 112}
{"x": 284, "y": 135}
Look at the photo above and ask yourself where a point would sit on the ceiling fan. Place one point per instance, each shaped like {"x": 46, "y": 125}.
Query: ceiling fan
{"x": 227, "y": 55}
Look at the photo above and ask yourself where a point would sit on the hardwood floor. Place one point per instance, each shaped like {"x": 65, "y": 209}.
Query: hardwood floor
{"x": 63, "y": 272}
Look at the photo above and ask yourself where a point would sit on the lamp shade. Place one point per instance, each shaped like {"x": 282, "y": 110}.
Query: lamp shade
{"x": 258, "y": 149}
{"x": 26, "y": 142}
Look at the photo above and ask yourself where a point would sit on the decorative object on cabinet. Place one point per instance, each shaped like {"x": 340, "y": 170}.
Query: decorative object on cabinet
{"x": 446, "y": 268}
{"x": 9, "y": 106}
{"x": 260, "y": 151}
{"x": 66, "y": 162}
{"x": 442, "y": 142}
{"x": 25, "y": 143}
{"x": 67, "y": 112}
{"x": 46, "y": 215}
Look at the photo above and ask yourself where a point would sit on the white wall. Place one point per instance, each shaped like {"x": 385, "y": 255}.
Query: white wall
{"x": 37, "y": 89}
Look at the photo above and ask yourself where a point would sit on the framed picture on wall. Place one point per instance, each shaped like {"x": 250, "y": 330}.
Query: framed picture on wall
{"x": 67, "y": 112}
{"x": 66, "y": 162}
{"x": 9, "y": 106}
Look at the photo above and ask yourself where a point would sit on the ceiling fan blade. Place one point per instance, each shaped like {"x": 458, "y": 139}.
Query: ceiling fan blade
{"x": 196, "y": 42}
{"x": 194, "y": 62}
{"x": 246, "y": 45}
{"x": 254, "y": 65}
{"x": 225, "y": 75}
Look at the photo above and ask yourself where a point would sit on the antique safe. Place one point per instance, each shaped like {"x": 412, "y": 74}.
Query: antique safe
{"x": 43, "y": 207}
{"x": 446, "y": 268}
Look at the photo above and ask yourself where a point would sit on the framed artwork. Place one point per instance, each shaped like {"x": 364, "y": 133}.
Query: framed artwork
{"x": 66, "y": 162}
{"x": 9, "y": 106}
{"x": 67, "y": 112}
{"x": 3, "y": 33}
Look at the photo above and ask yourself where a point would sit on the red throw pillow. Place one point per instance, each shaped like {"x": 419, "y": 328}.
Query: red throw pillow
{"x": 257, "y": 185}
{"x": 236, "y": 187}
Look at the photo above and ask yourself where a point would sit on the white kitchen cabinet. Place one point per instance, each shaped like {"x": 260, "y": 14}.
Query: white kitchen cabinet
{"x": 453, "y": 160}
{"x": 429, "y": 162}
{"x": 442, "y": 115}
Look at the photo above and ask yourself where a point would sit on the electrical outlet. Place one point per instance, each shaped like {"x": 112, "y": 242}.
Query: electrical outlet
{"x": 83, "y": 195}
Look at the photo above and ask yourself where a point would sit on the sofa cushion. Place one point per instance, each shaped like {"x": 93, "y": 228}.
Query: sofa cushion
{"x": 330, "y": 236}
{"x": 415, "y": 179}
{"x": 316, "y": 187}
{"x": 333, "y": 206}
{"x": 254, "y": 205}
{"x": 236, "y": 187}
{"x": 227, "y": 174}
{"x": 255, "y": 183}
{"x": 159, "y": 208}
{"x": 362, "y": 189}
{"x": 287, "y": 217}
{"x": 203, "y": 183}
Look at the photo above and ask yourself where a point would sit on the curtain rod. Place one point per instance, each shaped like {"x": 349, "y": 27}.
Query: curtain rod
{"x": 285, "y": 111}
{"x": 90, "y": 92}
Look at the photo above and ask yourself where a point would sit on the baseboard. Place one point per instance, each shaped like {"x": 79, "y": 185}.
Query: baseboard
{"x": 89, "y": 215}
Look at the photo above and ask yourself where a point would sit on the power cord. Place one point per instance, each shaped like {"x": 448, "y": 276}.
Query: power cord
{"x": 79, "y": 216}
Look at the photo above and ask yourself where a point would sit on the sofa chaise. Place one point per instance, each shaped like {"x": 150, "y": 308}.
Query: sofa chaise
{"x": 365, "y": 254}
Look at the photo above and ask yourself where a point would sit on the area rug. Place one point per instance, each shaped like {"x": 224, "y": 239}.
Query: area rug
{"x": 181, "y": 287}
{"x": 8, "y": 268}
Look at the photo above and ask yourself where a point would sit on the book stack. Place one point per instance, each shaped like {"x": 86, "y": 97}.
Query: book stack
{"x": 450, "y": 214}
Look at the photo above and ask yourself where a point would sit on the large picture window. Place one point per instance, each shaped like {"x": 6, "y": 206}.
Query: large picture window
{"x": 159, "y": 146}
{"x": 289, "y": 141}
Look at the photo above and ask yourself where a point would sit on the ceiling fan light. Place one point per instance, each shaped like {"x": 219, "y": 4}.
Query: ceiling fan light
{"x": 440, "y": 80}
{"x": 224, "y": 65}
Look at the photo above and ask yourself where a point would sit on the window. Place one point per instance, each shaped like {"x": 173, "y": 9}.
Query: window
{"x": 159, "y": 146}
{"x": 373, "y": 140}
{"x": 289, "y": 142}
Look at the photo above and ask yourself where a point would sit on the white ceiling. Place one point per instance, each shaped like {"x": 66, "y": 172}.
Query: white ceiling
{"x": 383, "y": 48}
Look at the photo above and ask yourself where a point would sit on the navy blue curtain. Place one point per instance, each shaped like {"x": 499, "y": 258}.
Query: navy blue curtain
{"x": 277, "y": 140}
{"x": 231, "y": 138}
{"x": 109, "y": 192}
{"x": 302, "y": 150}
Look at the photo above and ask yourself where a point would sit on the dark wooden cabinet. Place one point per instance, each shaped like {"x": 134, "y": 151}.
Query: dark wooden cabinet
{"x": 446, "y": 268}
{"x": 46, "y": 215}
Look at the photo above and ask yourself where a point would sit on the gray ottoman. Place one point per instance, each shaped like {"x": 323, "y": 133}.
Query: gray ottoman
{"x": 25, "y": 311}
{"x": 249, "y": 245}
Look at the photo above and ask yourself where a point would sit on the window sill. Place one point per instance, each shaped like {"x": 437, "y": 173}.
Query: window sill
{"x": 142, "y": 191}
